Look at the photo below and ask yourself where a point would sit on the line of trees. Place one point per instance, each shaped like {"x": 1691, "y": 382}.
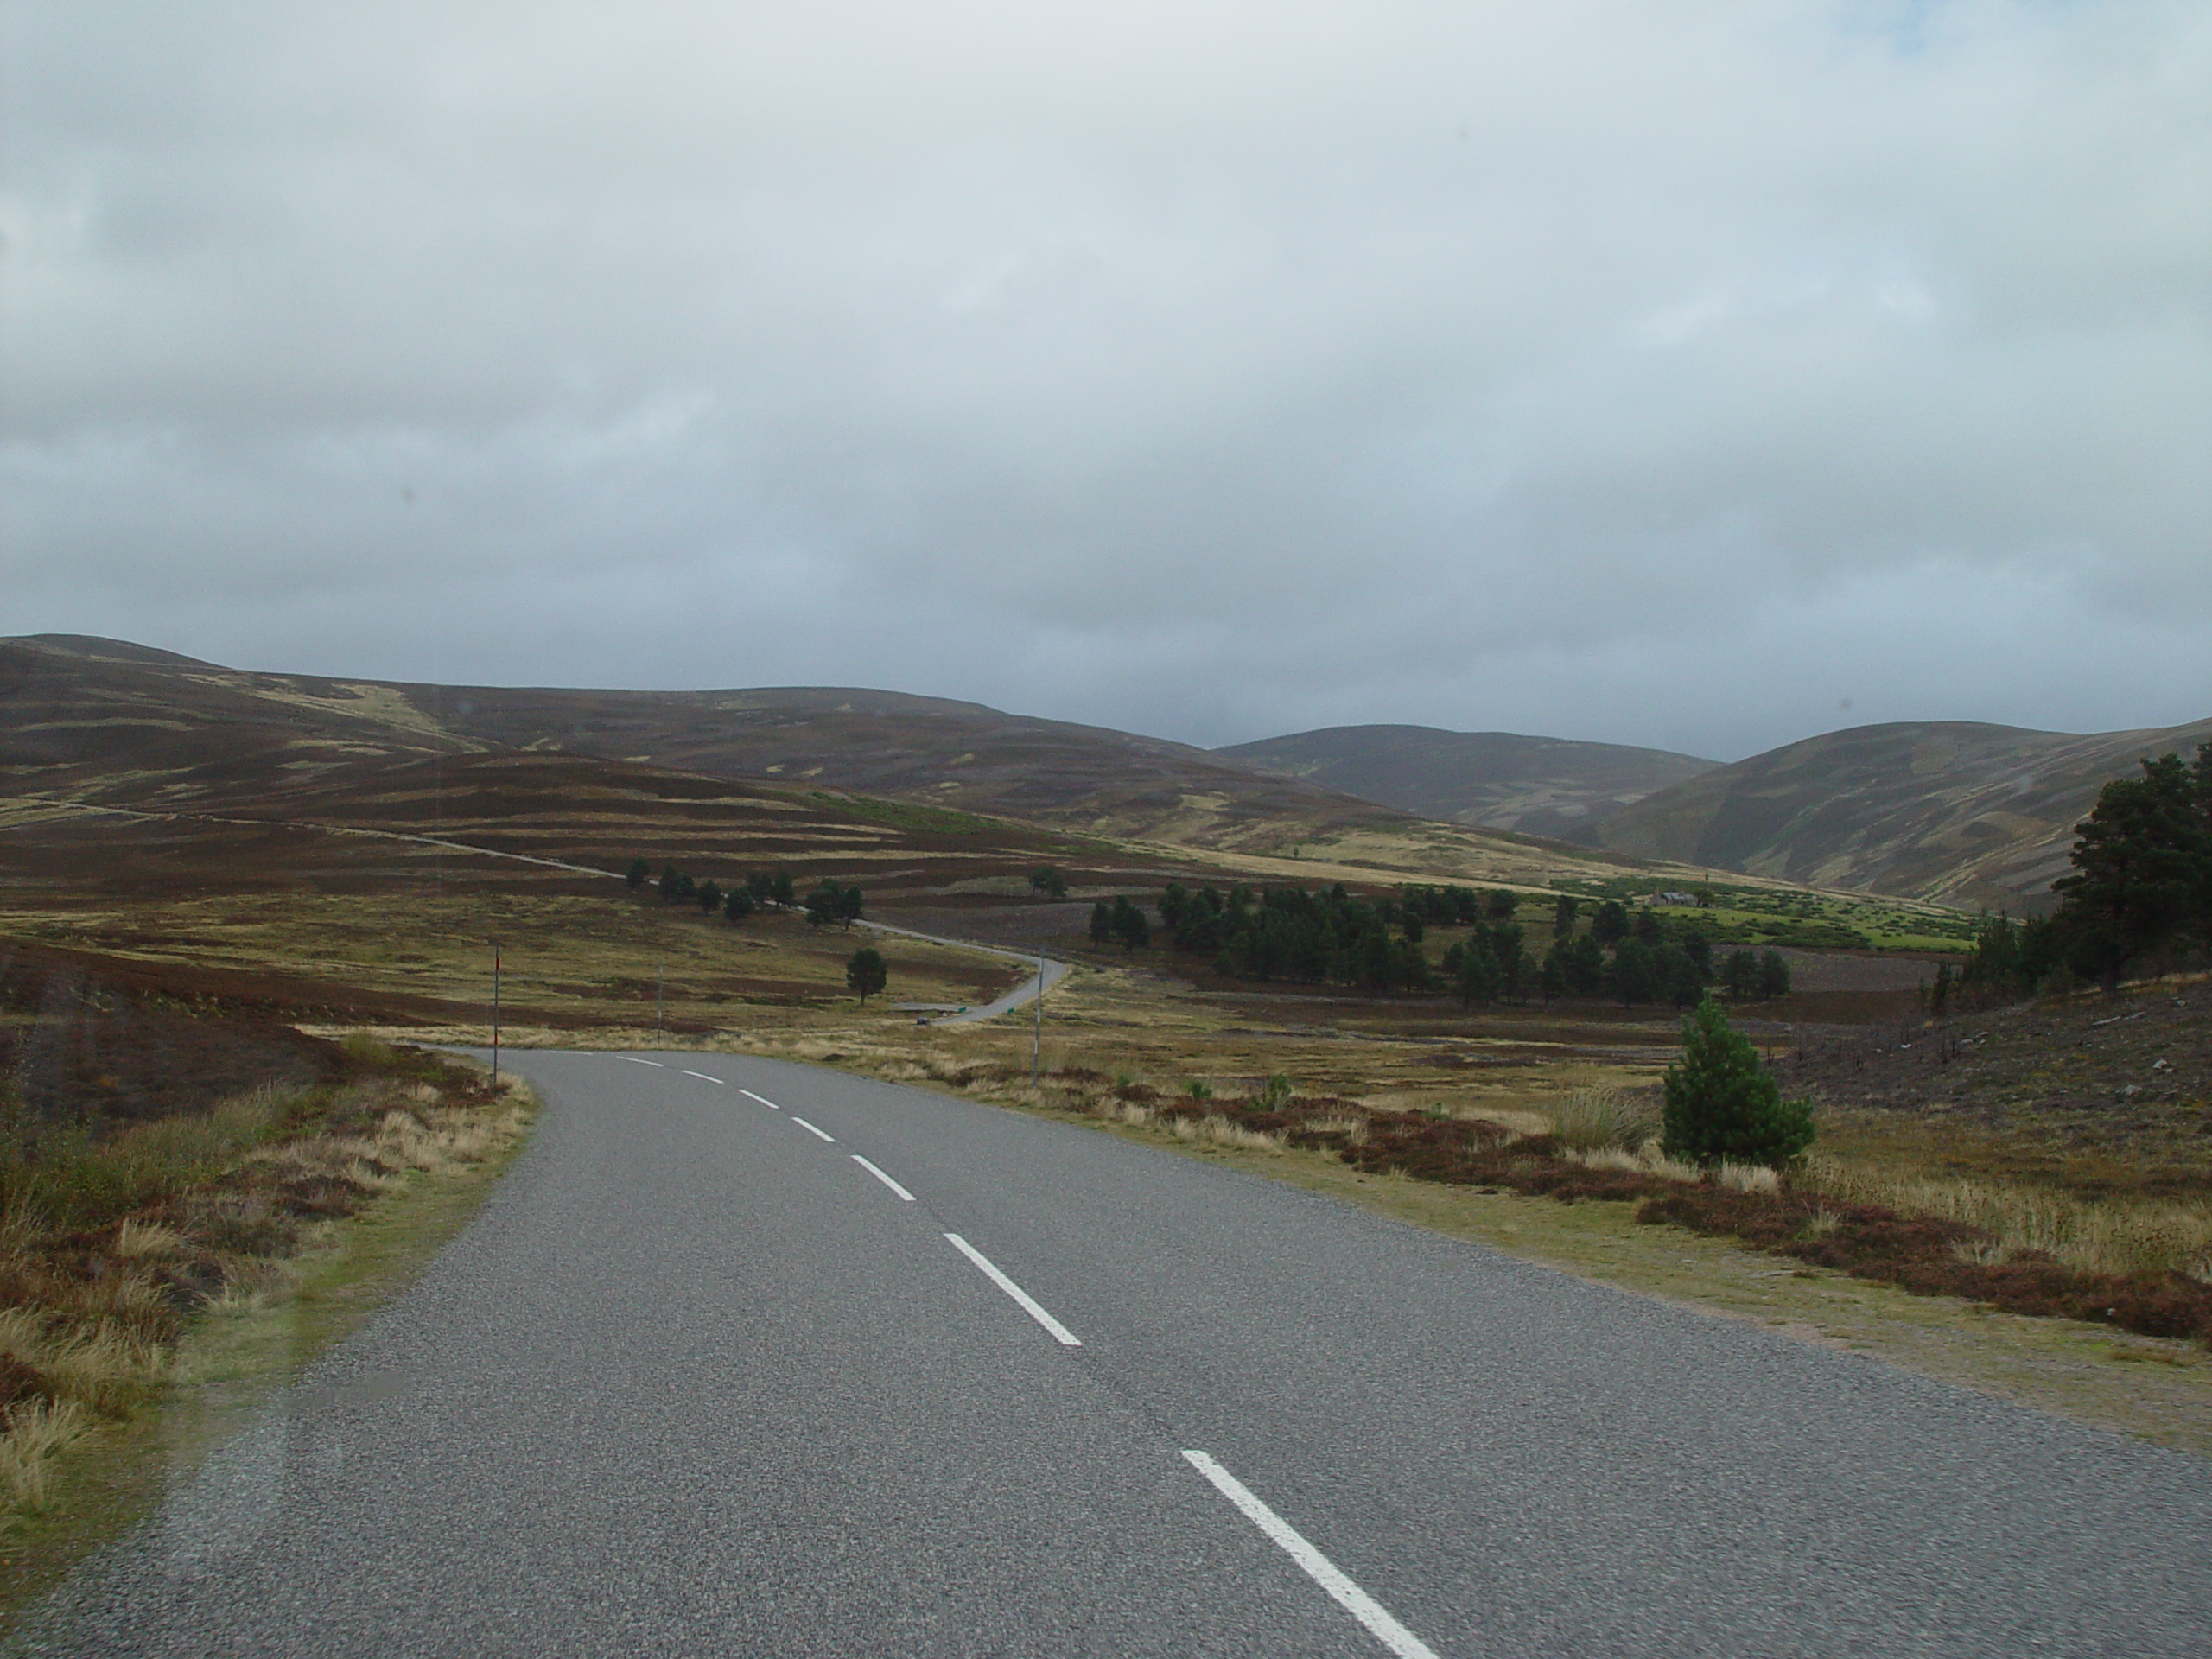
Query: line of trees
{"x": 1332, "y": 937}
{"x": 830, "y": 901}
{"x": 2139, "y": 896}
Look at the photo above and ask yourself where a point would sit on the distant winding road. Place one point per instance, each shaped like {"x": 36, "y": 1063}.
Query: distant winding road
{"x": 750, "y": 1357}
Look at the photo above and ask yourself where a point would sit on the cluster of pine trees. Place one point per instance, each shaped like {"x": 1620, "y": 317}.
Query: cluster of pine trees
{"x": 828, "y": 902}
{"x": 832, "y": 901}
{"x": 2141, "y": 895}
{"x": 1332, "y": 937}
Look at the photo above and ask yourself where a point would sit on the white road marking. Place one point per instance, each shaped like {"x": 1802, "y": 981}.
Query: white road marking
{"x": 885, "y": 1178}
{"x": 770, "y": 1104}
{"x": 1068, "y": 1338}
{"x": 810, "y": 1129}
{"x": 702, "y": 1076}
{"x": 634, "y": 1060}
{"x": 1319, "y": 1567}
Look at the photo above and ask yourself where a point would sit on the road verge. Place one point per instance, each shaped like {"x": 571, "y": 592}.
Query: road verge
{"x": 326, "y": 1227}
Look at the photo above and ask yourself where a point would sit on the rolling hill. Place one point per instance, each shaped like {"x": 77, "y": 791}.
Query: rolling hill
{"x": 1953, "y": 811}
{"x": 1537, "y": 785}
{"x": 109, "y": 724}
{"x": 82, "y": 710}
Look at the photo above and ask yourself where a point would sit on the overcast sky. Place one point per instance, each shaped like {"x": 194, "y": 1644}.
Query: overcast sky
{"x": 1683, "y": 372}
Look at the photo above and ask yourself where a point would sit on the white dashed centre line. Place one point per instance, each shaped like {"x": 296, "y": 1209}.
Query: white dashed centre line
{"x": 770, "y": 1104}
{"x": 1067, "y": 1338}
{"x": 1319, "y": 1567}
{"x": 810, "y": 1129}
{"x": 634, "y": 1060}
{"x": 885, "y": 1178}
{"x": 702, "y": 1076}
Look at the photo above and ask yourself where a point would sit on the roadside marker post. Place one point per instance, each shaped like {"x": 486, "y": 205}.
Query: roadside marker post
{"x": 1037, "y": 1030}
{"x": 495, "y": 1013}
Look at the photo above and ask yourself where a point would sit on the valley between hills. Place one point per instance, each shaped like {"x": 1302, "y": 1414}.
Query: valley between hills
{"x": 216, "y": 880}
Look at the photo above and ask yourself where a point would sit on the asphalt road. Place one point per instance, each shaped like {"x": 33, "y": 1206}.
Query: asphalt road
{"x": 699, "y": 1381}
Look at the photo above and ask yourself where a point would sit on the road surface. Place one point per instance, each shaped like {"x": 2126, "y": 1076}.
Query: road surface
{"x": 751, "y": 1357}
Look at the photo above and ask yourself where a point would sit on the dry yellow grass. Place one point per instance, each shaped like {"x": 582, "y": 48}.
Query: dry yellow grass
{"x": 30, "y": 1434}
{"x": 94, "y": 1347}
{"x": 2116, "y": 1235}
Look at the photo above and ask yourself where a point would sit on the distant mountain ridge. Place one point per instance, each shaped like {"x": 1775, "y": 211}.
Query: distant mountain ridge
{"x": 83, "y": 711}
{"x": 1954, "y": 812}
{"x": 1501, "y": 780}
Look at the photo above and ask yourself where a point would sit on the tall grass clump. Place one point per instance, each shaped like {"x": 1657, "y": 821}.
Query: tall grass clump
{"x": 1596, "y": 1119}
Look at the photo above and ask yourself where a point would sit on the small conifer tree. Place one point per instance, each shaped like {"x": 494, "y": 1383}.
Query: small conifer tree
{"x": 641, "y": 872}
{"x": 865, "y": 973}
{"x": 1774, "y": 975}
{"x": 1723, "y": 1105}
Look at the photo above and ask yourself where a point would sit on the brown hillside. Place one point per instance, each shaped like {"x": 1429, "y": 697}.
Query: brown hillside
{"x": 1539, "y": 785}
{"x": 83, "y": 711}
{"x": 1953, "y": 812}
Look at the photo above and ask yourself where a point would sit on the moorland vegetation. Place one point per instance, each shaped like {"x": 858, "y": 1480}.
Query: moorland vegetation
{"x": 138, "y": 1188}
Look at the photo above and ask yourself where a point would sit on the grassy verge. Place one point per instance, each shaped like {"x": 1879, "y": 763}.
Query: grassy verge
{"x": 134, "y": 1343}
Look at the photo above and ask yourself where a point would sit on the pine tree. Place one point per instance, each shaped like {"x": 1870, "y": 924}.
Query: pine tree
{"x": 2142, "y": 868}
{"x": 865, "y": 973}
{"x": 1475, "y": 975}
{"x": 1722, "y": 1105}
{"x": 1739, "y": 974}
{"x": 1774, "y": 975}
{"x": 1635, "y": 976}
{"x": 1939, "y": 994}
{"x": 1551, "y": 983}
{"x": 641, "y": 872}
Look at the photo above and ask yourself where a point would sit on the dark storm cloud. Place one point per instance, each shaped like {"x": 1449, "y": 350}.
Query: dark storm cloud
{"x": 1664, "y": 372}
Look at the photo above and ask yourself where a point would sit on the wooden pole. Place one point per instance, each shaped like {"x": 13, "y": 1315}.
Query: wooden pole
{"x": 1037, "y": 1029}
{"x": 495, "y": 1013}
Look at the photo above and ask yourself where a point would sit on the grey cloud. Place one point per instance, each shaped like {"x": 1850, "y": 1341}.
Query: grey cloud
{"x": 1659, "y": 372}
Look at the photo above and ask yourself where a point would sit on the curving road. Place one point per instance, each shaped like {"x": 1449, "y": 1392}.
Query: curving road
{"x": 1025, "y": 991}
{"x": 751, "y": 1357}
